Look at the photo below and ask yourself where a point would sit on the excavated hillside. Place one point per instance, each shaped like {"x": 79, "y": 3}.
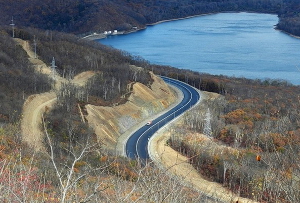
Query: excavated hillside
{"x": 36, "y": 105}
{"x": 110, "y": 122}
{"x": 113, "y": 124}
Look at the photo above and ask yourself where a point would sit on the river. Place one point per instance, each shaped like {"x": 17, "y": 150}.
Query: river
{"x": 232, "y": 44}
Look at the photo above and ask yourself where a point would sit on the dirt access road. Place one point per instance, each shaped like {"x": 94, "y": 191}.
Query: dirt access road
{"x": 37, "y": 104}
{"x": 174, "y": 163}
{"x": 177, "y": 165}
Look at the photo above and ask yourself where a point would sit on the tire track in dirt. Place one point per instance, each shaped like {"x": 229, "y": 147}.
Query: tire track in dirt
{"x": 176, "y": 164}
{"x": 36, "y": 105}
{"x": 33, "y": 110}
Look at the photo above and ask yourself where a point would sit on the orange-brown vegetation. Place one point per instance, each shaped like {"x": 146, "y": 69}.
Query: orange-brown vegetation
{"x": 260, "y": 124}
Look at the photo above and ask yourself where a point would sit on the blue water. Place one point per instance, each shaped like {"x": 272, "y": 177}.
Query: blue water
{"x": 232, "y": 44}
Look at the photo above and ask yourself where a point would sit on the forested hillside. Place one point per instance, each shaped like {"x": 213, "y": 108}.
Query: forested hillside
{"x": 254, "y": 126}
{"x": 289, "y": 19}
{"x": 85, "y": 16}
{"x": 74, "y": 167}
{"x": 251, "y": 135}
{"x": 17, "y": 79}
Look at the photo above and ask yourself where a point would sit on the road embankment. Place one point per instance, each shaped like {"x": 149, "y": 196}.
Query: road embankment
{"x": 177, "y": 165}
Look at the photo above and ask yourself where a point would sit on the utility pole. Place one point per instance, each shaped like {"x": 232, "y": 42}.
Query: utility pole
{"x": 34, "y": 43}
{"x": 207, "y": 125}
{"x": 53, "y": 66}
{"x": 13, "y": 27}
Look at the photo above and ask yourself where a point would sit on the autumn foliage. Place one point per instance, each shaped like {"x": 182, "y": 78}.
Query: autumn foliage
{"x": 255, "y": 150}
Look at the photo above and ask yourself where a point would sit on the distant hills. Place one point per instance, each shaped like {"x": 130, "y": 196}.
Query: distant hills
{"x": 86, "y": 16}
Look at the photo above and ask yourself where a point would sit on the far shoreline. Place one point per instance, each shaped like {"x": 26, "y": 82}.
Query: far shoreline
{"x": 271, "y": 26}
{"x": 98, "y": 36}
{"x": 175, "y": 19}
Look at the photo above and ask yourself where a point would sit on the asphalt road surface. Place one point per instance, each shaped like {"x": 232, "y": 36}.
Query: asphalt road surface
{"x": 136, "y": 146}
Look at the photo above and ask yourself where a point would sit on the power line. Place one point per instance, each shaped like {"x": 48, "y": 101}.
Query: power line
{"x": 13, "y": 26}
{"x": 207, "y": 125}
{"x": 34, "y": 43}
{"x": 53, "y": 66}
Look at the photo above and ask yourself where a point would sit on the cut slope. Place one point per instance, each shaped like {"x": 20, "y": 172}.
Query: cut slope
{"x": 110, "y": 122}
{"x": 36, "y": 105}
{"x": 179, "y": 166}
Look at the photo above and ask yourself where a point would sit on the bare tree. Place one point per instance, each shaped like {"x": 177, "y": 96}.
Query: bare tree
{"x": 65, "y": 173}
{"x": 207, "y": 126}
{"x": 20, "y": 181}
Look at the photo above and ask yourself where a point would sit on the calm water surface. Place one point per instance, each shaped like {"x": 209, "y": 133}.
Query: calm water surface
{"x": 232, "y": 44}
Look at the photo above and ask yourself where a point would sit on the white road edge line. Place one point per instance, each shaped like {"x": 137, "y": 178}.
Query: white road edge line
{"x": 163, "y": 129}
{"x": 157, "y": 124}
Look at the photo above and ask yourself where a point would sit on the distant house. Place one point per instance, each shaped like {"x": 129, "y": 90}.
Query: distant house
{"x": 115, "y": 32}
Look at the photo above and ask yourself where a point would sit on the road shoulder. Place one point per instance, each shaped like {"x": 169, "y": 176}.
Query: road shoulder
{"x": 122, "y": 140}
{"x": 176, "y": 165}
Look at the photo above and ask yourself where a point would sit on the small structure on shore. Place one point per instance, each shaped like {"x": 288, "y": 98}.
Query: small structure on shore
{"x": 107, "y": 32}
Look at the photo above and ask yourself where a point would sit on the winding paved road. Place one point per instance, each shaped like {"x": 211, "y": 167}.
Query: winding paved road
{"x": 136, "y": 146}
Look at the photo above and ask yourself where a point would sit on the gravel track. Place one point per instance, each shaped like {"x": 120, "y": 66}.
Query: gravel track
{"x": 36, "y": 105}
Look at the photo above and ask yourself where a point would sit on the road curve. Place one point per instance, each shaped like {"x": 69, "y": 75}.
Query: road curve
{"x": 137, "y": 144}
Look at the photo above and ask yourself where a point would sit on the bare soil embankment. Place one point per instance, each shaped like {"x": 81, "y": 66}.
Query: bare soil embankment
{"x": 113, "y": 125}
{"x": 178, "y": 165}
{"x": 109, "y": 123}
{"x": 36, "y": 105}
